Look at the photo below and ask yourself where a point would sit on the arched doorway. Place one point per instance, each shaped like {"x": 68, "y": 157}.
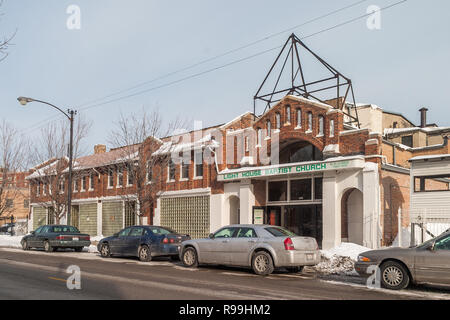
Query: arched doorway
{"x": 234, "y": 209}
{"x": 352, "y": 216}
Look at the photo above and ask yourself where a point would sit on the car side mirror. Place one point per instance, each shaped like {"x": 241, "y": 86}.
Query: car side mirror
{"x": 211, "y": 236}
{"x": 431, "y": 247}
{"x": 32, "y": 232}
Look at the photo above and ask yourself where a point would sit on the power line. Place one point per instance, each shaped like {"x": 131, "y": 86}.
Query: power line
{"x": 224, "y": 54}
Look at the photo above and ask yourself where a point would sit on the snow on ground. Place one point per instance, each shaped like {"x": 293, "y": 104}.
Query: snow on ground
{"x": 340, "y": 259}
{"x": 10, "y": 241}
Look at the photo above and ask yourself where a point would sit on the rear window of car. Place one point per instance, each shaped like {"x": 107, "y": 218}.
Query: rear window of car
{"x": 163, "y": 231}
{"x": 280, "y": 232}
{"x": 65, "y": 229}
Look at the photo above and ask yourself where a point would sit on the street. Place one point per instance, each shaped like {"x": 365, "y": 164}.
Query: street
{"x": 40, "y": 275}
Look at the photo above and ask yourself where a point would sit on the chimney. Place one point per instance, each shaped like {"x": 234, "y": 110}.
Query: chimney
{"x": 423, "y": 117}
{"x": 99, "y": 148}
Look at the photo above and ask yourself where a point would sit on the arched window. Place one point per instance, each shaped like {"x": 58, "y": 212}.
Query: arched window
{"x": 299, "y": 118}
{"x": 278, "y": 120}
{"x": 309, "y": 121}
{"x": 288, "y": 113}
{"x": 320, "y": 125}
{"x": 269, "y": 128}
{"x": 331, "y": 128}
{"x": 259, "y": 130}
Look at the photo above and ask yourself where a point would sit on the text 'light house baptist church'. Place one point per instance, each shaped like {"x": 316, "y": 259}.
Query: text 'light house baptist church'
{"x": 312, "y": 162}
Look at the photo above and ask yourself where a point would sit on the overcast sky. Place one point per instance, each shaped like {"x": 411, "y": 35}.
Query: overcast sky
{"x": 401, "y": 67}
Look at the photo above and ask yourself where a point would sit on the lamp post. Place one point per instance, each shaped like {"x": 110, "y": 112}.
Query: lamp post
{"x": 70, "y": 115}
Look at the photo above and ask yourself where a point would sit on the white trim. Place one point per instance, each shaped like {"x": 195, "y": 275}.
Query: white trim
{"x": 184, "y": 193}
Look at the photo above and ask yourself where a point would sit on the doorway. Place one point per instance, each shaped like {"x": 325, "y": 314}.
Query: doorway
{"x": 75, "y": 217}
{"x": 235, "y": 204}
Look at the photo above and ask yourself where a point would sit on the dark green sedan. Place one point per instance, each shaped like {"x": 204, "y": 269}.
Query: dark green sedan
{"x": 52, "y": 237}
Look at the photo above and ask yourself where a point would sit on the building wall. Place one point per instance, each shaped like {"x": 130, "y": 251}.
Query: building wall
{"x": 88, "y": 219}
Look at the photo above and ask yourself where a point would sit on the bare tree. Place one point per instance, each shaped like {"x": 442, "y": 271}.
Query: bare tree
{"x": 137, "y": 135}
{"x": 49, "y": 178}
{"x": 5, "y": 42}
{"x": 12, "y": 157}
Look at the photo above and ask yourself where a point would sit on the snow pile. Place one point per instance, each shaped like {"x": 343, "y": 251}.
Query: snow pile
{"x": 10, "y": 241}
{"x": 91, "y": 249}
{"x": 340, "y": 259}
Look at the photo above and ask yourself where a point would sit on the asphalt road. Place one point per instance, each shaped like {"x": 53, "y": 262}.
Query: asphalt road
{"x": 41, "y": 275}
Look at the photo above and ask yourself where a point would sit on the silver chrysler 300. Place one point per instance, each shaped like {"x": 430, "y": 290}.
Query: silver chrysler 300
{"x": 261, "y": 247}
{"x": 398, "y": 267}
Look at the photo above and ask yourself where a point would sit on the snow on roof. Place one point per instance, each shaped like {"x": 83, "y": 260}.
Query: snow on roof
{"x": 235, "y": 119}
{"x": 170, "y": 146}
{"x": 412, "y": 129}
{"x": 49, "y": 169}
{"x": 427, "y": 157}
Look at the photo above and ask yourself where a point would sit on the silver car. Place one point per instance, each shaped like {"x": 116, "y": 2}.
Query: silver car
{"x": 426, "y": 263}
{"x": 261, "y": 247}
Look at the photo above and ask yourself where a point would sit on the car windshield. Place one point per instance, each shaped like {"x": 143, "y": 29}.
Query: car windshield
{"x": 280, "y": 232}
{"x": 160, "y": 230}
{"x": 429, "y": 242}
{"x": 65, "y": 229}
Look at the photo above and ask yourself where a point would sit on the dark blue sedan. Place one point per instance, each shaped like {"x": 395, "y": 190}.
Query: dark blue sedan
{"x": 144, "y": 242}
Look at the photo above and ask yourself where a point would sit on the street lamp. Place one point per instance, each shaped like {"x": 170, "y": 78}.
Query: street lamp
{"x": 70, "y": 115}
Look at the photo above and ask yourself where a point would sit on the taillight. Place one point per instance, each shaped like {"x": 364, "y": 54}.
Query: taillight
{"x": 165, "y": 240}
{"x": 87, "y": 238}
{"x": 288, "y": 245}
{"x": 59, "y": 237}
{"x": 172, "y": 240}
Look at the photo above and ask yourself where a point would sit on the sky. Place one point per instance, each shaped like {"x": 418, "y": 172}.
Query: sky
{"x": 400, "y": 67}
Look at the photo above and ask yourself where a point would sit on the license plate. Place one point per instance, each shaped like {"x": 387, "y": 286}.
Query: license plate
{"x": 309, "y": 256}
{"x": 75, "y": 239}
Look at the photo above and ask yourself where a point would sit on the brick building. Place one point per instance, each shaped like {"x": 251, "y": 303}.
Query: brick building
{"x": 14, "y": 198}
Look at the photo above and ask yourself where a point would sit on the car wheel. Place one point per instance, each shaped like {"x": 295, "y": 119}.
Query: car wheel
{"x": 78, "y": 249}
{"x": 145, "y": 254}
{"x": 394, "y": 276}
{"x": 48, "y": 247}
{"x": 189, "y": 257}
{"x": 25, "y": 245}
{"x": 296, "y": 269}
{"x": 262, "y": 263}
{"x": 105, "y": 251}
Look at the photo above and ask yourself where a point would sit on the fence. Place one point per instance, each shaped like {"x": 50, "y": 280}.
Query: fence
{"x": 428, "y": 223}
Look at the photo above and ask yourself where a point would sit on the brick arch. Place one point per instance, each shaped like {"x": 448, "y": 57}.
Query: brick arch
{"x": 298, "y": 135}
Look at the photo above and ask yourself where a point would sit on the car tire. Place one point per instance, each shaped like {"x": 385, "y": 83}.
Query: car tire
{"x": 105, "y": 251}
{"x": 394, "y": 275}
{"x": 145, "y": 254}
{"x": 25, "y": 246}
{"x": 190, "y": 258}
{"x": 296, "y": 269}
{"x": 48, "y": 247}
{"x": 262, "y": 263}
{"x": 78, "y": 249}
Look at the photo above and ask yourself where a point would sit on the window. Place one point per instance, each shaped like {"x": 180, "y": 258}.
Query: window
{"x": 432, "y": 183}
{"x": 9, "y": 203}
{"x": 331, "y": 128}
{"x": 320, "y": 126}
{"x": 301, "y": 189}
{"x": 442, "y": 244}
{"x": 185, "y": 169}
{"x": 246, "y": 233}
{"x": 149, "y": 171}
{"x": 136, "y": 232}
{"x": 83, "y": 183}
{"x": 130, "y": 174}
{"x": 318, "y": 183}
{"x": 171, "y": 169}
{"x": 75, "y": 185}
{"x": 407, "y": 141}
{"x": 288, "y": 113}
{"x": 277, "y": 121}
{"x": 124, "y": 232}
{"x": 247, "y": 147}
{"x": 309, "y": 121}
{"x": 225, "y": 233}
{"x": 198, "y": 158}
{"x": 269, "y": 128}
{"x": 280, "y": 232}
{"x": 91, "y": 182}
{"x": 26, "y": 203}
{"x": 38, "y": 189}
{"x": 277, "y": 190}
{"x": 259, "y": 136}
{"x": 299, "y": 118}
{"x": 44, "y": 189}
{"x": 120, "y": 177}
{"x": 61, "y": 185}
{"x": 110, "y": 178}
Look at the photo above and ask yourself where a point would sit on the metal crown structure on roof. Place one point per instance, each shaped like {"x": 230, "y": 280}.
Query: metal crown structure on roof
{"x": 332, "y": 81}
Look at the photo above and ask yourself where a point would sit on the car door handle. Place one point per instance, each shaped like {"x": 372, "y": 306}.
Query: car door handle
{"x": 225, "y": 241}
{"x": 252, "y": 241}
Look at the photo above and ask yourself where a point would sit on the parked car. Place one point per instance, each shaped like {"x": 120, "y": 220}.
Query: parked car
{"x": 7, "y": 229}
{"x": 426, "y": 263}
{"x": 52, "y": 237}
{"x": 261, "y": 247}
{"x": 144, "y": 242}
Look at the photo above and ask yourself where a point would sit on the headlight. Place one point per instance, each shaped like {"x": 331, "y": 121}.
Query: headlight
{"x": 363, "y": 259}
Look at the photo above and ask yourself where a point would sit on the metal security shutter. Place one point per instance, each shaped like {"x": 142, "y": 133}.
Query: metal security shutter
{"x": 39, "y": 217}
{"x": 88, "y": 218}
{"x": 188, "y": 215}
{"x": 112, "y": 220}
